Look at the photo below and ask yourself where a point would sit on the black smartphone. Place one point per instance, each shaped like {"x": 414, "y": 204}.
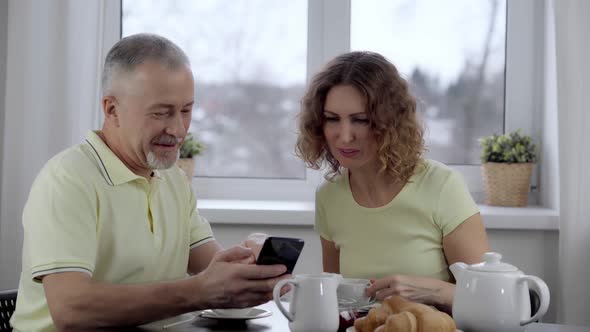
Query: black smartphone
{"x": 280, "y": 250}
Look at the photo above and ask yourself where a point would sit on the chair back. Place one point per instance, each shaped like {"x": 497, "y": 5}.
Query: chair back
{"x": 7, "y": 305}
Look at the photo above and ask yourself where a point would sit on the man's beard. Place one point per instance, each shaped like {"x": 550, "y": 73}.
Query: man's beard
{"x": 155, "y": 163}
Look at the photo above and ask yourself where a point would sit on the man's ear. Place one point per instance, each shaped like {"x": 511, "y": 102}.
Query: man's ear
{"x": 111, "y": 109}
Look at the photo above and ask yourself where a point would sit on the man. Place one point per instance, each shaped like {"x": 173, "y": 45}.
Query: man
{"x": 111, "y": 226}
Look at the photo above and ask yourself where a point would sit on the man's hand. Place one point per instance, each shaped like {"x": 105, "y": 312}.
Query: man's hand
{"x": 232, "y": 281}
{"x": 255, "y": 241}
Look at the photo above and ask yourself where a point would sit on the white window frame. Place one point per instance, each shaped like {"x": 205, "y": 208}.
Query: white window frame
{"x": 329, "y": 35}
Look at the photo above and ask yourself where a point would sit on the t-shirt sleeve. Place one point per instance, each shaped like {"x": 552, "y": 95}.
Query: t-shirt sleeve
{"x": 321, "y": 224}
{"x": 201, "y": 232}
{"x": 455, "y": 204}
{"x": 60, "y": 224}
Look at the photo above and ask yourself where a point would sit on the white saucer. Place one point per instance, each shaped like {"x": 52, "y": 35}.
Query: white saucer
{"x": 344, "y": 304}
{"x": 253, "y": 314}
{"x": 351, "y": 329}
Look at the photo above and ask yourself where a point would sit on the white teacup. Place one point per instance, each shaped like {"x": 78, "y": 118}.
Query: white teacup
{"x": 352, "y": 291}
{"x": 233, "y": 312}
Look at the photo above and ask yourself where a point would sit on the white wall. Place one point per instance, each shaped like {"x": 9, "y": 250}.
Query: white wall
{"x": 534, "y": 252}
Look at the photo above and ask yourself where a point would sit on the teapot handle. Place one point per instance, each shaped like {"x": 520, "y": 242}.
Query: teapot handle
{"x": 541, "y": 288}
{"x": 276, "y": 294}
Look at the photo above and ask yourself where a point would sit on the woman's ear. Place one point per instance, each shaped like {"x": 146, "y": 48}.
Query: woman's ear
{"x": 111, "y": 109}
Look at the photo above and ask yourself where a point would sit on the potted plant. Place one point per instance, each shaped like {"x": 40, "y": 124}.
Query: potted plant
{"x": 189, "y": 149}
{"x": 507, "y": 164}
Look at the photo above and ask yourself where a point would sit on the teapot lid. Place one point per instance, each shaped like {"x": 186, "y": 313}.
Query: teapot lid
{"x": 492, "y": 263}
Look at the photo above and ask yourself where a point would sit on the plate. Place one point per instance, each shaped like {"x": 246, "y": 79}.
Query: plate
{"x": 253, "y": 314}
{"x": 351, "y": 329}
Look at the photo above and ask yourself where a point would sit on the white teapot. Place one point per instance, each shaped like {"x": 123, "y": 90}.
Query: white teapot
{"x": 494, "y": 296}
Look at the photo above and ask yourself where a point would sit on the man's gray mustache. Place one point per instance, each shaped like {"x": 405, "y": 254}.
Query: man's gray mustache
{"x": 167, "y": 140}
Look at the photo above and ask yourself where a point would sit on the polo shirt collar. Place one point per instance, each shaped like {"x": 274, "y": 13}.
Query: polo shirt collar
{"x": 113, "y": 169}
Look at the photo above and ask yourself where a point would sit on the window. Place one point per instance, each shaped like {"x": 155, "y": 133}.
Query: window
{"x": 249, "y": 61}
{"x": 476, "y": 68}
{"x": 452, "y": 54}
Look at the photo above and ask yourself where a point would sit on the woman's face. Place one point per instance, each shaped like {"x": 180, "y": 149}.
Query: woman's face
{"x": 347, "y": 129}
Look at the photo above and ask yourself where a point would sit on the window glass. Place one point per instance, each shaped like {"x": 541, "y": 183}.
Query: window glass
{"x": 452, "y": 53}
{"x": 249, "y": 59}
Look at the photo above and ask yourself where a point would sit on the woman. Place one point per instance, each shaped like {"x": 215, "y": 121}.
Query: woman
{"x": 385, "y": 213}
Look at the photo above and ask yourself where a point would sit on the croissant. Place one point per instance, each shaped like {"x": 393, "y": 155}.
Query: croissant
{"x": 397, "y": 314}
{"x": 436, "y": 322}
{"x": 403, "y": 321}
{"x": 375, "y": 318}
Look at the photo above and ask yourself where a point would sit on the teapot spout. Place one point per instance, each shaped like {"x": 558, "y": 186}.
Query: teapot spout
{"x": 457, "y": 269}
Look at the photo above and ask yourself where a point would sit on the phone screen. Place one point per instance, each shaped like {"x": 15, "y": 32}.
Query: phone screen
{"x": 280, "y": 250}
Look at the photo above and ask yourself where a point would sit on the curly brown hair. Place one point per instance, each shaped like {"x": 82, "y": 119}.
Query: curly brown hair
{"x": 391, "y": 111}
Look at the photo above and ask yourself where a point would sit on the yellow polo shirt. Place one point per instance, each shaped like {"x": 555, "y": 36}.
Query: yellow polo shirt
{"x": 88, "y": 212}
{"x": 404, "y": 236}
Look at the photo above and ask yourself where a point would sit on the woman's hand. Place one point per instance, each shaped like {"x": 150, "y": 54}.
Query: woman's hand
{"x": 417, "y": 289}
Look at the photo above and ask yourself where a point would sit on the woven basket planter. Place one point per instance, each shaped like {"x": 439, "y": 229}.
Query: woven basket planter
{"x": 188, "y": 166}
{"x": 507, "y": 184}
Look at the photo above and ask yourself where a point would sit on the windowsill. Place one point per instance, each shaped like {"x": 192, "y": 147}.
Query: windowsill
{"x": 302, "y": 214}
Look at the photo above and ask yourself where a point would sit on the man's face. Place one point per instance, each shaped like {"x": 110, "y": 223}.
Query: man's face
{"x": 154, "y": 113}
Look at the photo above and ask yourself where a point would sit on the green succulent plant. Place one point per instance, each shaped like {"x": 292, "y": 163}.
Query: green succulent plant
{"x": 508, "y": 148}
{"x": 191, "y": 147}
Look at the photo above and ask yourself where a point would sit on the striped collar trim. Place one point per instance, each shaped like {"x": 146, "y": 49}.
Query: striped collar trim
{"x": 114, "y": 170}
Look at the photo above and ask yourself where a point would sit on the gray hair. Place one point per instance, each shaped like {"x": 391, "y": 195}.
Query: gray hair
{"x": 132, "y": 51}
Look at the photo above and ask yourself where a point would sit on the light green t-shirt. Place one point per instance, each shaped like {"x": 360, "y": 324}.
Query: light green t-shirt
{"x": 403, "y": 237}
{"x": 88, "y": 212}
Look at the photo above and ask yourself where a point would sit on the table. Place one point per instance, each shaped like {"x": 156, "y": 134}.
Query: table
{"x": 278, "y": 323}
{"x": 556, "y": 328}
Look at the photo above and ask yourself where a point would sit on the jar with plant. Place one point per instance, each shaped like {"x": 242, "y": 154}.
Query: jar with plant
{"x": 507, "y": 164}
{"x": 190, "y": 148}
